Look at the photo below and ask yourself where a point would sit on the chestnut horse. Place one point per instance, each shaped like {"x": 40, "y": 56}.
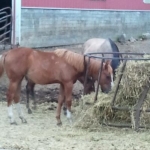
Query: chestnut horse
{"x": 77, "y": 62}
{"x": 42, "y": 68}
{"x": 104, "y": 45}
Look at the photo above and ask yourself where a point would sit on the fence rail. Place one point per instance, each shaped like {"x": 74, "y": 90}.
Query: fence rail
{"x": 6, "y": 25}
{"x": 124, "y": 59}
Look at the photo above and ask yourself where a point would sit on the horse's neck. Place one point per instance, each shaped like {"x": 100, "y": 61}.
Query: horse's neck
{"x": 94, "y": 68}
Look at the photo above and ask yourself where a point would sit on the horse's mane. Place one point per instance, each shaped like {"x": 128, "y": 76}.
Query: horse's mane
{"x": 74, "y": 59}
{"x": 77, "y": 60}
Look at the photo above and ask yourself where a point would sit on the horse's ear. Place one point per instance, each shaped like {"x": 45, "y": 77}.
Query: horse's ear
{"x": 108, "y": 62}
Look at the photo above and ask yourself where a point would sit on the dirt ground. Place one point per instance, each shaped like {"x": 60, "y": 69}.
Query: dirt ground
{"x": 41, "y": 132}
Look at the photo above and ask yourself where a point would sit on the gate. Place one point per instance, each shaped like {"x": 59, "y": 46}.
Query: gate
{"x": 138, "y": 107}
{"x": 5, "y": 27}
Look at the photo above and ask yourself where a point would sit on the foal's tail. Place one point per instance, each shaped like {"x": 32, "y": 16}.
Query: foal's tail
{"x": 2, "y": 59}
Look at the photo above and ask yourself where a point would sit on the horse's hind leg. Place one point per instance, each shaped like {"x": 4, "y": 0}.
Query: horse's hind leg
{"x": 10, "y": 96}
{"x": 30, "y": 89}
{"x": 17, "y": 103}
{"x": 27, "y": 103}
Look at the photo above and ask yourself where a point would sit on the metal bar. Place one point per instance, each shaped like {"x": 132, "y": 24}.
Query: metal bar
{"x": 85, "y": 78}
{"x": 2, "y": 20}
{"x": 128, "y": 109}
{"x": 4, "y": 39}
{"x": 99, "y": 77}
{"x": 3, "y": 13}
{"x": 123, "y": 125}
{"x": 5, "y": 26}
{"x": 122, "y": 58}
{"x": 4, "y": 34}
{"x": 139, "y": 105}
{"x": 10, "y": 26}
{"x": 117, "y": 87}
{"x": 5, "y": 9}
{"x": 86, "y": 73}
{"x": 5, "y": 17}
{"x": 128, "y": 53}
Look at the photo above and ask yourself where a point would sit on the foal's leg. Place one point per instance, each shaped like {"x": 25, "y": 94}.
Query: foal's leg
{"x": 30, "y": 88}
{"x": 10, "y": 96}
{"x": 17, "y": 103}
{"x": 60, "y": 103}
{"x": 68, "y": 96}
{"x": 64, "y": 108}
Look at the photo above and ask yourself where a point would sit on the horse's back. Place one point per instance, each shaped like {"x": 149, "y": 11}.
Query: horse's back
{"x": 103, "y": 45}
{"x": 50, "y": 68}
{"x": 17, "y": 58}
{"x": 98, "y": 45}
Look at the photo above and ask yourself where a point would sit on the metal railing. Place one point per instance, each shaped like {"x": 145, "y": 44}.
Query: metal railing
{"x": 6, "y": 28}
{"x": 138, "y": 106}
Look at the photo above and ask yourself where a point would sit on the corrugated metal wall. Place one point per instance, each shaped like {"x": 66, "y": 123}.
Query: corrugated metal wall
{"x": 89, "y": 4}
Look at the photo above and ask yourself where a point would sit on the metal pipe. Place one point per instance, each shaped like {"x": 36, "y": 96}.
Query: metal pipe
{"x": 99, "y": 77}
{"x": 2, "y": 35}
{"x": 117, "y": 86}
{"x": 139, "y": 105}
{"x": 4, "y": 39}
{"x": 86, "y": 73}
{"x": 5, "y": 9}
{"x": 1, "y": 21}
{"x": 122, "y": 58}
{"x": 6, "y": 17}
{"x": 128, "y": 53}
{"x": 123, "y": 125}
{"x": 128, "y": 109}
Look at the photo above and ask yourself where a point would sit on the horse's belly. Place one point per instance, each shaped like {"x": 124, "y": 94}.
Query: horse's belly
{"x": 41, "y": 76}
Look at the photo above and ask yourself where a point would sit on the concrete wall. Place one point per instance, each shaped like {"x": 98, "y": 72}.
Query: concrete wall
{"x": 53, "y": 27}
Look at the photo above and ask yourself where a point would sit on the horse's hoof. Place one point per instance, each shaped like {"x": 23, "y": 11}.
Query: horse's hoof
{"x": 59, "y": 124}
{"x": 24, "y": 121}
{"x": 34, "y": 107}
{"x": 29, "y": 111}
{"x": 65, "y": 113}
{"x": 13, "y": 123}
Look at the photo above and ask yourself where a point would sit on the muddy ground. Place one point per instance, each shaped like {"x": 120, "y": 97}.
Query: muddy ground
{"x": 41, "y": 132}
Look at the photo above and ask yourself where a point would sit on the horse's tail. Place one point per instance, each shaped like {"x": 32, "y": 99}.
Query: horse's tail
{"x": 2, "y": 60}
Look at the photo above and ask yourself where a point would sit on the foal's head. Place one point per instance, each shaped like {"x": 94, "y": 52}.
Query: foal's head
{"x": 89, "y": 88}
{"x": 107, "y": 77}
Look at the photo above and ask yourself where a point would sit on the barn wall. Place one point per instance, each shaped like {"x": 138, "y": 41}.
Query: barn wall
{"x": 52, "y": 27}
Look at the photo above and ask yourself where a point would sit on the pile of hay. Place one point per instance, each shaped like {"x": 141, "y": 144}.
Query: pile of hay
{"x": 135, "y": 77}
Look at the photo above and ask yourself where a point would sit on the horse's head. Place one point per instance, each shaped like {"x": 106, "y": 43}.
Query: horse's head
{"x": 107, "y": 77}
{"x": 89, "y": 86}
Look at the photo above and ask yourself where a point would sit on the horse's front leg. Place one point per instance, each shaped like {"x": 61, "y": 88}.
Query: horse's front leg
{"x": 68, "y": 95}
{"x": 64, "y": 108}
{"x": 33, "y": 96}
{"x": 60, "y": 103}
{"x": 27, "y": 94}
{"x": 30, "y": 89}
